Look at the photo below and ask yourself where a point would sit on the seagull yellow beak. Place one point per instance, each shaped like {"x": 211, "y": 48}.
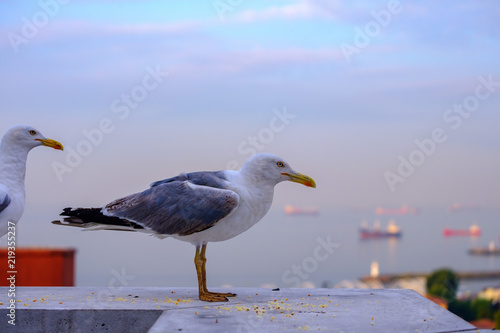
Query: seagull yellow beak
{"x": 301, "y": 179}
{"x": 51, "y": 143}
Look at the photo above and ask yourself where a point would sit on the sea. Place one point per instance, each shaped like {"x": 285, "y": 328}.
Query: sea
{"x": 323, "y": 250}
{"x": 421, "y": 248}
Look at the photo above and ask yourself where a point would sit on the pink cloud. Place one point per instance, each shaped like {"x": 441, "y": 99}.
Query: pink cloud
{"x": 304, "y": 9}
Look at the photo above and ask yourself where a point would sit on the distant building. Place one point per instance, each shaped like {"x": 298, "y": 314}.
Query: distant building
{"x": 490, "y": 294}
{"x": 484, "y": 324}
{"x": 438, "y": 300}
{"x": 374, "y": 272}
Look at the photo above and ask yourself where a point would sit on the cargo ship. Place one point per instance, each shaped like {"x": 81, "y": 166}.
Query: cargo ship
{"x": 490, "y": 250}
{"x": 392, "y": 230}
{"x": 458, "y": 207}
{"x": 292, "y": 210}
{"x": 405, "y": 210}
{"x": 473, "y": 231}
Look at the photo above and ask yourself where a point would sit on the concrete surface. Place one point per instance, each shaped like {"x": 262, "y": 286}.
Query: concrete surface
{"x": 89, "y": 309}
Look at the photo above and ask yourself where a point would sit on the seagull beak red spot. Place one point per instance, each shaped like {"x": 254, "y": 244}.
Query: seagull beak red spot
{"x": 301, "y": 179}
{"x": 51, "y": 143}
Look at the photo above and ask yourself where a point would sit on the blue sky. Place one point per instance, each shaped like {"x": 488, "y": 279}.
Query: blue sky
{"x": 228, "y": 64}
{"x": 139, "y": 91}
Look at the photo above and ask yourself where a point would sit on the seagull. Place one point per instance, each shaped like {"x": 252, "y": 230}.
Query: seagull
{"x": 197, "y": 207}
{"x": 14, "y": 149}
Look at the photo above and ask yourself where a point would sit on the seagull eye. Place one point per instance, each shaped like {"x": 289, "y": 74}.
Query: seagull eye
{"x": 32, "y": 132}
{"x": 280, "y": 164}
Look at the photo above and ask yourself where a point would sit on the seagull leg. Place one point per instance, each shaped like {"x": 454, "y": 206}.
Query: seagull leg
{"x": 202, "y": 255}
{"x": 200, "y": 261}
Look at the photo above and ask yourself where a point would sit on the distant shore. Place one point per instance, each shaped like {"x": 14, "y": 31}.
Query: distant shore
{"x": 388, "y": 278}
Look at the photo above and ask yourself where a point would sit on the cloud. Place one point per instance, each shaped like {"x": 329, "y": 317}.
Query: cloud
{"x": 71, "y": 29}
{"x": 301, "y": 10}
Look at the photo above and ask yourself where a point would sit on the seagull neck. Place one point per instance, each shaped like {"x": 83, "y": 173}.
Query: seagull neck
{"x": 254, "y": 179}
{"x": 13, "y": 164}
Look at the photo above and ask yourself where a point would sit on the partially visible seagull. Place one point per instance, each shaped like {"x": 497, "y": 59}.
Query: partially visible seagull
{"x": 14, "y": 149}
{"x": 197, "y": 207}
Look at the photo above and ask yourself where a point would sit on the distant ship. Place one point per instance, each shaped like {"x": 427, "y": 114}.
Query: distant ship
{"x": 458, "y": 207}
{"x": 405, "y": 210}
{"x": 292, "y": 210}
{"x": 474, "y": 231}
{"x": 490, "y": 250}
{"x": 392, "y": 230}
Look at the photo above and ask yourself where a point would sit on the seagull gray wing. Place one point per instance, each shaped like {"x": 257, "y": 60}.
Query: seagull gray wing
{"x": 4, "y": 198}
{"x": 178, "y": 205}
{"x": 216, "y": 179}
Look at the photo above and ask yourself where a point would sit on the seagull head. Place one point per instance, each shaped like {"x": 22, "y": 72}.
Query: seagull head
{"x": 29, "y": 137}
{"x": 272, "y": 169}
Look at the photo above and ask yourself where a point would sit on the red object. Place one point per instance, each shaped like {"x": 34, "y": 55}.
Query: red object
{"x": 447, "y": 232}
{"x": 291, "y": 210}
{"x": 38, "y": 267}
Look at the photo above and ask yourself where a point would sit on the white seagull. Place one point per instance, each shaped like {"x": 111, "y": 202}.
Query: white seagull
{"x": 197, "y": 207}
{"x": 14, "y": 149}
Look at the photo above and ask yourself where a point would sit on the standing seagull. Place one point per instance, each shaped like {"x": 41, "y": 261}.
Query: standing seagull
{"x": 14, "y": 149}
{"x": 197, "y": 207}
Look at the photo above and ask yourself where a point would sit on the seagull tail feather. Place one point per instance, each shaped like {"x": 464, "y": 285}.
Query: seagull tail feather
{"x": 93, "y": 219}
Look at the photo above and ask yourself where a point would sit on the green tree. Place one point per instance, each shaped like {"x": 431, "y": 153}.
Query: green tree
{"x": 463, "y": 309}
{"x": 496, "y": 318}
{"x": 443, "y": 283}
{"x": 482, "y": 308}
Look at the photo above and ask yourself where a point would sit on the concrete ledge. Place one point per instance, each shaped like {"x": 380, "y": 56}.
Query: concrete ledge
{"x": 89, "y": 309}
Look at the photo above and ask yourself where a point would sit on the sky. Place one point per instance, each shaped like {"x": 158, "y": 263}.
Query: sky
{"x": 383, "y": 103}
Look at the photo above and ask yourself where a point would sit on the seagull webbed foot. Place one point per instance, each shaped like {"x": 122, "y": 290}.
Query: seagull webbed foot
{"x": 215, "y": 297}
{"x": 224, "y": 294}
